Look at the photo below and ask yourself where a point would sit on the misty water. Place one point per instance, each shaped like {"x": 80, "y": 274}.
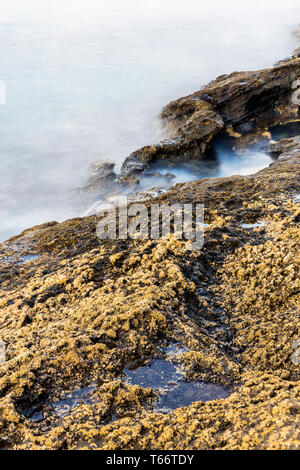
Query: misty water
{"x": 85, "y": 80}
{"x": 222, "y": 161}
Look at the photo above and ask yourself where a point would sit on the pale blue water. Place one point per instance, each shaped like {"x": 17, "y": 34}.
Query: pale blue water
{"x": 86, "y": 79}
{"x": 29, "y": 258}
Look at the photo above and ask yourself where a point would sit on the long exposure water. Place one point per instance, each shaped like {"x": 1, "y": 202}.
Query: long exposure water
{"x": 85, "y": 80}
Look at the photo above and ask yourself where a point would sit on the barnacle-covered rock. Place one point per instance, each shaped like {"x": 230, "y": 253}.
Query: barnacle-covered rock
{"x": 83, "y": 310}
{"x": 76, "y": 312}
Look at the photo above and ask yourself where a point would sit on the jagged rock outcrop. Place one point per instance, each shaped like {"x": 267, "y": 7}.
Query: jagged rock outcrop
{"x": 288, "y": 147}
{"x": 246, "y": 101}
{"x": 102, "y": 181}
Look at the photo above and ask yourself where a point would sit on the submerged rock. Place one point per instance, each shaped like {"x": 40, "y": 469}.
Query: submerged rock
{"x": 102, "y": 181}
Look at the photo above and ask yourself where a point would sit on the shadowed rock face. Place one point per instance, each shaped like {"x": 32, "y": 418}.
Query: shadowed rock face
{"x": 247, "y": 101}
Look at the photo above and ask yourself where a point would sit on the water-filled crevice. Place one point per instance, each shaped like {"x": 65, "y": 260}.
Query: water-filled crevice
{"x": 167, "y": 379}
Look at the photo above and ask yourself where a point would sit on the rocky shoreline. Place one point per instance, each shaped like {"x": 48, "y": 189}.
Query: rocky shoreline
{"x": 76, "y": 312}
{"x": 244, "y": 103}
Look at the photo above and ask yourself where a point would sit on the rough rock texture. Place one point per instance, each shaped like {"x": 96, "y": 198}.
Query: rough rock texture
{"x": 288, "y": 147}
{"x": 247, "y": 101}
{"x": 83, "y": 310}
{"x": 76, "y": 311}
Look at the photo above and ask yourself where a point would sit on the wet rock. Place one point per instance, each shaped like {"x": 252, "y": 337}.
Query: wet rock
{"x": 246, "y": 101}
{"x": 103, "y": 180}
{"x": 296, "y": 53}
{"x": 177, "y": 150}
{"x": 242, "y": 96}
{"x": 246, "y": 127}
{"x": 158, "y": 174}
{"x": 136, "y": 163}
{"x": 288, "y": 147}
{"x": 145, "y": 195}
